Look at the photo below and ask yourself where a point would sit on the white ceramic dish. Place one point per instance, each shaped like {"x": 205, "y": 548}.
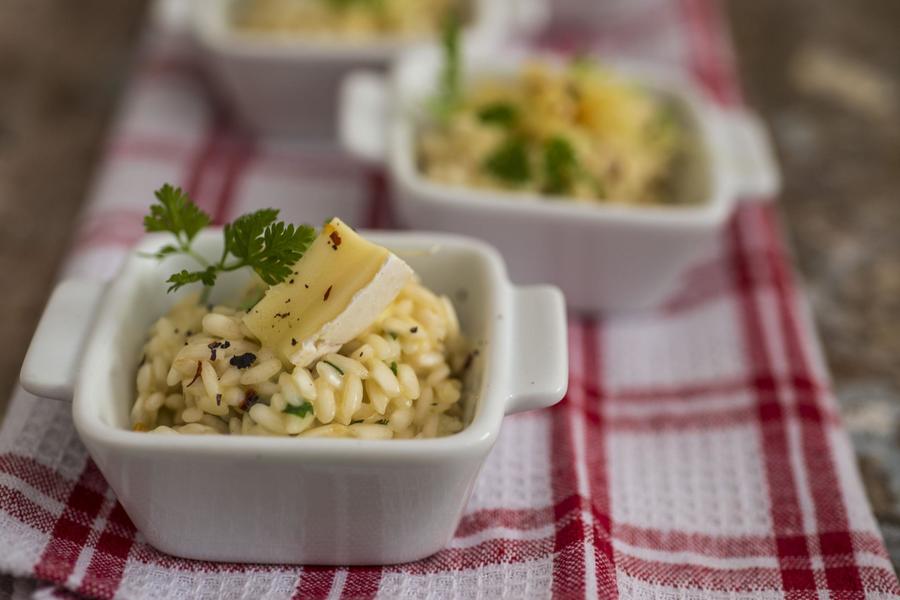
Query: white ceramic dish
{"x": 604, "y": 257}
{"x": 288, "y": 86}
{"x": 289, "y": 500}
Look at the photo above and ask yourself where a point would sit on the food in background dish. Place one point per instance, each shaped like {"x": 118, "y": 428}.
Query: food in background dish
{"x": 349, "y": 19}
{"x": 576, "y": 131}
{"x": 345, "y": 341}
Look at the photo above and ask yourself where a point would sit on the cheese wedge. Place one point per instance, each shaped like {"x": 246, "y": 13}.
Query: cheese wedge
{"x": 337, "y": 289}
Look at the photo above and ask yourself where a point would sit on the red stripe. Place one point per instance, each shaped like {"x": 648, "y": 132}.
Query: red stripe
{"x": 827, "y": 494}
{"x": 569, "y": 538}
{"x": 686, "y": 576}
{"x": 793, "y": 549}
{"x": 25, "y": 510}
{"x": 71, "y": 530}
{"x": 690, "y": 392}
{"x": 361, "y": 583}
{"x": 596, "y": 432}
{"x": 314, "y": 583}
{"x": 104, "y": 572}
{"x": 36, "y": 476}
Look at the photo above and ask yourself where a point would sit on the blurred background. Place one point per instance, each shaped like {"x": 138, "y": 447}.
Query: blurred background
{"x": 825, "y": 74}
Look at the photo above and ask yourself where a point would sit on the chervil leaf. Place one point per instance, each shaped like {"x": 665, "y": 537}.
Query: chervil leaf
{"x": 174, "y": 212}
{"x": 509, "y": 162}
{"x": 560, "y": 165}
{"x": 207, "y": 277}
{"x": 271, "y": 248}
{"x": 299, "y": 411}
{"x": 503, "y": 114}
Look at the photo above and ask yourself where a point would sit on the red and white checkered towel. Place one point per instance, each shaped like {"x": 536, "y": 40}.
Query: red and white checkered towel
{"x": 699, "y": 453}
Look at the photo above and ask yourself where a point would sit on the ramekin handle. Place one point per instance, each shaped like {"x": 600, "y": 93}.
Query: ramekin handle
{"x": 751, "y": 157}
{"x": 52, "y": 360}
{"x": 363, "y": 116}
{"x": 540, "y": 358}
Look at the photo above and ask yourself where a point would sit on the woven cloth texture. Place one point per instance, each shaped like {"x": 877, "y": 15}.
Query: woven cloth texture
{"x": 698, "y": 454}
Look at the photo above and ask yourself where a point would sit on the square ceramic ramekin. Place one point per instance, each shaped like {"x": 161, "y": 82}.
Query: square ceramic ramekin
{"x": 605, "y": 257}
{"x": 288, "y": 86}
{"x": 297, "y": 500}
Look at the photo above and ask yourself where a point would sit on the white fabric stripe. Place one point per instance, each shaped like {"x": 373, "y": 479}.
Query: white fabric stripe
{"x": 699, "y": 560}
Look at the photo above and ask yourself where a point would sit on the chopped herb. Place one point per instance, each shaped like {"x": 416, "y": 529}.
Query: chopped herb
{"x": 560, "y": 165}
{"x": 447, "y": 99}
{"x": 256, "y": 240}
{"x": 392, "y": 334}
{"x": 242, "y": 361}
{"x": 299, "y": 411}
{"x": 509, "y": 162}
{"x": 394, "y": 367}
{"x": 336, "y": 368}
{"x": 503, "y": 114}
{"x": 196, "y": 374}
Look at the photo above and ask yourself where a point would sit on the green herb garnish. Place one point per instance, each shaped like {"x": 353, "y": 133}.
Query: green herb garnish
{"x": 394, "y": 367}
{"x": 560, "y": 165}
{"x": 448, "y": 96}
{"x": 299, "y": 411}
{"x": 503, "y": 114}
{"x": 509, "y": 162}
{"x": 256, "y": 240}
{"x": 336, "y": 368}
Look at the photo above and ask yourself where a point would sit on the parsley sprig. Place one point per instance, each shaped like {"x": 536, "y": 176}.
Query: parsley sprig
{"x": 449, "y": 86}
{"x": 257, "y": 240}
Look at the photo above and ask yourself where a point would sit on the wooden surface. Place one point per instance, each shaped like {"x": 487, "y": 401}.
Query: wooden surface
{"x": 824, "y": 73}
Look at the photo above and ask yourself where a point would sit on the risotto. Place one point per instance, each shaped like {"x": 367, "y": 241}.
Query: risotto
{"x": 360, "y": 19}
{"x": 577, "y": 132}
{"x": 203, "y": 372}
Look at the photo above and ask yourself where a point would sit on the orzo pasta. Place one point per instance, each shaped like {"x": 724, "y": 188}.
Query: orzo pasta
{"x": 203, "y": 372}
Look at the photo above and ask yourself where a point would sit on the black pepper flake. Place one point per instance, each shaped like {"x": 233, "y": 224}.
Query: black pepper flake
{"x": 306, "y": 285}
{"x": 327, "y": 292}
{"x": 242, "y": 361}
{"x": 293, "y": 341}
{"x": 218, "y": 399}
{"x": 188, "y": 333}
{"x": 225, "y": 344}
{"x": 250, "y": 398}
{"x": 282, "y": 315}
{"x": 288, "y": 301}
{"x": 212, "y": 349}
{"x": 143, "y": 360}
{"x": 413, "y": 329}
{"x": 177, "y": 330}
{"x": 291, "y": 280}
{"x": 196, "y": 374}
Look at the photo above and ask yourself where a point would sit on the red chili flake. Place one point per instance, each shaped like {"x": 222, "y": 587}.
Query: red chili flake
{"x": 197, "y": 374}
{"x": 327, "y": 293}
{"x": 335, "y": 238}
{"x": 250, "y": 398}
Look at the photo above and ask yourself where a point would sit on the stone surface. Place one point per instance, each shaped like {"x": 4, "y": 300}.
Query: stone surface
{"x": 824, "y": 73}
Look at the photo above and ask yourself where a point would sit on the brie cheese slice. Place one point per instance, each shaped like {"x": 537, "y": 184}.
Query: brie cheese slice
{"x": 336, "y": 290}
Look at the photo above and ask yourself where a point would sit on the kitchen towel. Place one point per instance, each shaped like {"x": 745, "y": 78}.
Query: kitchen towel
{"x": 698, "y": 454}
